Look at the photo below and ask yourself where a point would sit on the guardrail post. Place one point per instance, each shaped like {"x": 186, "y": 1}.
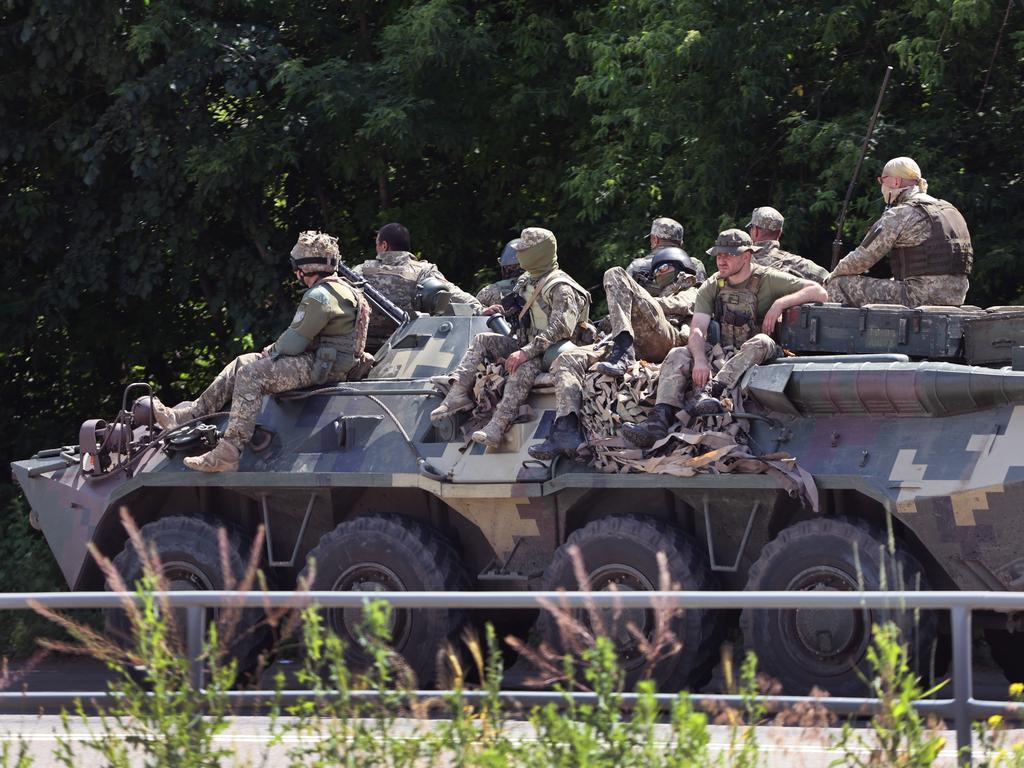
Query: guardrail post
{"x": 963, "y": 683}
{"x": 194, "y": 626}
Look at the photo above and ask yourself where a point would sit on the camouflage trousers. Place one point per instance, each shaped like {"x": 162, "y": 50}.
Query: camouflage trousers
{"x": 937, "y": 290}
{"x": 674, "y": 377}
{"x": 491, "y": 347}
{"x": 632, "y": 309}
{"x": 243, "y": 382}
{"x": 568, "y": 371}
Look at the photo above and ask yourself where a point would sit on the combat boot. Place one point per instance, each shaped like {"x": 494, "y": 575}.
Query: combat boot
{"x": 171, "y": 418}
{"x": 647, "y": 433}
{"x": 619, "y": 359}
{"x": 709, "y": 403}
{"x": 563, "y": 439}
{"x": 493, "y": 434}
{"x": 223, "y": 458}
{"x": 458, "y": 399}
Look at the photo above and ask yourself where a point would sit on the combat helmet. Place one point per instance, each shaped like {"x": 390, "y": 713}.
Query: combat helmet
{"x": 315, "y": 253}
{"x": 508, "y": 262}
{"x": 680, "y": 260}
{"x": 433, "y": 297}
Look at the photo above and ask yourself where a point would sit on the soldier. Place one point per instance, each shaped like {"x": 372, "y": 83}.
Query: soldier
{"x": 492, "y": 294}
{"x": 641, "y": 319}
{"x": 765, "y": 228}
{"x": 324, "y": 342}
{"x": 743, "y": 298}
{"x": 397, "y": 274}
{"x": 634, "y": 313}
{"x": 927, "y": 241}
{"x": 554, "y": 307}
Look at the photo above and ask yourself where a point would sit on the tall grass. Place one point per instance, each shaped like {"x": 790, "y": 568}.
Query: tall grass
{"x": 158, "y": 717}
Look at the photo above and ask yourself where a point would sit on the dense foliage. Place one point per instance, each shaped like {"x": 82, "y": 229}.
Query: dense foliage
{"x": 160, "y": 156}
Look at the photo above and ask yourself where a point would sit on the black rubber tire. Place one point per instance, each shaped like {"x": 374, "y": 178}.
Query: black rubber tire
{"x": 189, "y": 552}
{"x": 623, "y": 549}
{"x": 823, "y": 553}
{"x": 394, "y": 553}
{"x": 1007, "y": 649}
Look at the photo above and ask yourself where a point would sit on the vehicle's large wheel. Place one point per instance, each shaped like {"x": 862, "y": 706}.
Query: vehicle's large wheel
{"x": 827, "y": 648}
{"x": 1006, "y": 650}
{"x": 620, "y": 552}
{"x": 190, "y": 559}
{"x": 393, "y": 554}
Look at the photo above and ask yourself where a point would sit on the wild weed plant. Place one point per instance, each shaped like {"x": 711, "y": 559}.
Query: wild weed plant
{"x": 370, "y": 715}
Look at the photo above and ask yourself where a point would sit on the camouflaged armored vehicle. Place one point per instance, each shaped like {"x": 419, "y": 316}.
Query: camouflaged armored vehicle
{"x": 356, "y": 477}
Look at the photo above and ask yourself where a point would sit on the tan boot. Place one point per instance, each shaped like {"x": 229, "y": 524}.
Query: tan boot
{"x": 493, "y": 434}
{"x": 223, "y": 458}
{"x": 458, "y": 399}
{"x": 171, "y": 418}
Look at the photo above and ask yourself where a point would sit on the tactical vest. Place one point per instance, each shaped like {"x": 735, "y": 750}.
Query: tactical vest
{"x": 736, "y": 310}
{"x": 396, "y": 281}
{"x": 540, "y": 310}
{"x": 946, "y": 251}
{"x": 349, "y": 342}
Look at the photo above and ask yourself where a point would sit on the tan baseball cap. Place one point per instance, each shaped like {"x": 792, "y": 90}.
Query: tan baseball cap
{"x": 766, "y": 217}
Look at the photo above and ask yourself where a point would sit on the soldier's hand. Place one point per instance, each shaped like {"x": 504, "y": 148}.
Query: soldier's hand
{"x": 494, "y": 309}
{"x": 701, "y": 374}
{"x": 771, "y": 317}
{"x": 514, "y": 360}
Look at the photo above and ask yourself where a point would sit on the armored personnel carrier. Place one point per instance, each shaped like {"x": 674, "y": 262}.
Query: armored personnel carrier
{"x": 919, "y": 469}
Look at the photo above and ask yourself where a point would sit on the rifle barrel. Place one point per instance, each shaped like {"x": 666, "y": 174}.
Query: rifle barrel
{"x": 375, "y": 297}
{"x": 837, "y": 244}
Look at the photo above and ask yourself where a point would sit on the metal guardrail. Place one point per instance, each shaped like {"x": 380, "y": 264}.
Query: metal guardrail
{"x": 962, "y": 708}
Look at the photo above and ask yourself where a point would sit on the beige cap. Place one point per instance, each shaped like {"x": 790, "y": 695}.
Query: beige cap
{"x": 666, "y": 229}
{"x": 766, "y": 217}
{"x": 530, "y": 237}
{"x": 902, "y": 168}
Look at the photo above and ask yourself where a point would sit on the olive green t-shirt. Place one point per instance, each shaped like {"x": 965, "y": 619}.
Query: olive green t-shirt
{"x": 774, "y": 285}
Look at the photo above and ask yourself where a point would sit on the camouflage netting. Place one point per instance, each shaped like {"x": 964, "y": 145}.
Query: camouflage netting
{"x": 711, "y": 445}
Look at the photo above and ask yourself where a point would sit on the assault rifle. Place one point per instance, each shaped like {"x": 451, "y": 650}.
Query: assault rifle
{"x": 837, "y": 244}
{"x": 375, "y": 297}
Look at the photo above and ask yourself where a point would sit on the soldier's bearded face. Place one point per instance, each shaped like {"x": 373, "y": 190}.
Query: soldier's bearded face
{"x": 730, "y": 264}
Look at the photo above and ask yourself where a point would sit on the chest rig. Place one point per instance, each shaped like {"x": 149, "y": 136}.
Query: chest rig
{"x": 736, "y": 310}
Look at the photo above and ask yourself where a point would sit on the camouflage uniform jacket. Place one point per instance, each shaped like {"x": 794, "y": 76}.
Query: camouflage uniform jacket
{"x": 397, "y": 273}
{"x": 900, "y": 226}
{"x": 772, "y": 256}
{"x": 495, "y": 292}
{"x": 565, "y": 304}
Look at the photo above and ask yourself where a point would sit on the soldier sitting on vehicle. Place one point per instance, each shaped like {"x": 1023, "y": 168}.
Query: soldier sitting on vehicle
{"x": 640, "y": 323}
{"x": 325, "y": 341}
{"x": 765, "y": 228}
{"x": 550, "y": 308}
{"x": 743, "y": 298}
{"x": 508, "y": 263}
{"x": 398, "y": 274}
{"x": 927, "y": 241}
{"x": 648, "y": 322}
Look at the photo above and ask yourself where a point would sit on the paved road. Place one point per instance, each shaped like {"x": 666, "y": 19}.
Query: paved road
{"x": 249, "y": 738}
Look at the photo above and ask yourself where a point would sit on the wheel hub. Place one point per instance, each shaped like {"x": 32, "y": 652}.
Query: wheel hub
{"x": 827, "y": 636}
{"x": 617, "y": 623}
{"x": 368, "y": 577}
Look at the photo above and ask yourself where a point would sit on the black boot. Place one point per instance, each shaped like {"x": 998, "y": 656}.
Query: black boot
{"x": 647, "y": 433}
{"x": 710, "y": 401}
{"x": 620, "y": 358}
{"x": 563, "y": 439}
